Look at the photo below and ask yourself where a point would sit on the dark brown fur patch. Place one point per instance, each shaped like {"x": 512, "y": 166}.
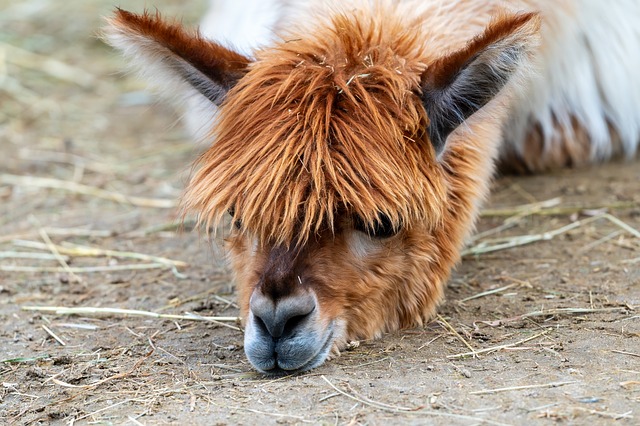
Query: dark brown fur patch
{"x": 568, "y": 147}
{"x": 441, "y": 72}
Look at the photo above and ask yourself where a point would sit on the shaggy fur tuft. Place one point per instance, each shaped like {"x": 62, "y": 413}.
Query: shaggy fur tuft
{"x": 337, "y": 127}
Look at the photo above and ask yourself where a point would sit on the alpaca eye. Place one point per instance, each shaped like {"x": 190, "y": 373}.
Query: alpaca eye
{"x": 383, "y": 227}
{"x": 232, "y": 213}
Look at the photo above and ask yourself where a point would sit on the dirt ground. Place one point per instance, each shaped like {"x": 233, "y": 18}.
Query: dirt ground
{"x": 555, "y": 323}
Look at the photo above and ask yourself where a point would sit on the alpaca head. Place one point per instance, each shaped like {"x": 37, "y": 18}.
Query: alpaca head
{"x": 330, "y": 154}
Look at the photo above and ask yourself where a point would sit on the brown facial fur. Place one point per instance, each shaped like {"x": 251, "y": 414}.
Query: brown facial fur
{"x": 395, "y": 286}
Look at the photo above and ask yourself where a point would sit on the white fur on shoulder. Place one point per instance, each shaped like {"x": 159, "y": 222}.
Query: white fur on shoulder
{"x": 587, "y": 69}
{"x": 243, "y": 25}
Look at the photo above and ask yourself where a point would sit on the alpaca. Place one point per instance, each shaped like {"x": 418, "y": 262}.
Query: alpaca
{"x": 353, "y": 150}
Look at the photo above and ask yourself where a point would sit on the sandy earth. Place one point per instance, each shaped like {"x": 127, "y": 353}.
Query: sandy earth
{"x": 557, "y": 341}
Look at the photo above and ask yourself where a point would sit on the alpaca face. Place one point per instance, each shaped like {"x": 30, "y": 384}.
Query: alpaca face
{"x": 344, "y": 284}
{"x": 323, "y": 248}
{"x": 332, "y": 153}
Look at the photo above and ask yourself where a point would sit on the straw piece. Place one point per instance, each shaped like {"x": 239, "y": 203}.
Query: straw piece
{"x": 418, "y": 411}
{"x": 622, "y": 225}
{"x": 520, "y": 240}
{"x": 85, "y": 269}
{"x": 599, "y": 241}
{"x": 573, "y": 311}
{"x": 80, "y": 232}
{"x": 626, "y": 353}
{"x": 61, "y": 310}
{"x": 368, "y": 401}
{"x": 52, "y": 334}
{"x": 497, "y": 244}
{"x": 267, "y": 413}
{"x": 92, "y": 191}
{"x": 530, "y": 208}
{"x": 490, "y": 292}
{"x": 453, "y": 330}
{"x": 194, "y": 316}
{"x": 69, "y": 158}
{"x": 556, "y": 311}
{"x": 511, "y": 388}
{"x": 52, "y": 248}
{"x": 557, "y": 210}
{"x": 76, "y": 250}
{"x": 28, "y": 255}
{"x": 500, "y": 347}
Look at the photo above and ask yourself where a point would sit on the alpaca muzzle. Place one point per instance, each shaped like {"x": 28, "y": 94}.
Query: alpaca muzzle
{"x": 287, "y": 335}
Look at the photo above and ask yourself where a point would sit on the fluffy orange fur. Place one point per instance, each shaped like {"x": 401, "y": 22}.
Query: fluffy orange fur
{"x": 326, "y": 128}
{"x": 320, "y": 128}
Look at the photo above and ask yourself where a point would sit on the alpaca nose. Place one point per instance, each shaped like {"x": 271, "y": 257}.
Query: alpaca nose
{"x": 281, "y": 318}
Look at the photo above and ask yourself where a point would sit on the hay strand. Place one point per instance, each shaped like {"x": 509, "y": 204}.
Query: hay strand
{"x": 92, "y": 191}
{"x": 499, "y": 347}
{"x": 54, "y": 335}
{"x": 77, "y": 250}
{"x": 53, "y": 249}
{"x": 89, "y": 311}
{"x": 85, "y": 269}
{"x": 50, "y": 66}
{"x": 524, "y": 387}
{"x": 455, "y": 333}
{"x": 418, "y": 411}
{"x": 497, "y": 244}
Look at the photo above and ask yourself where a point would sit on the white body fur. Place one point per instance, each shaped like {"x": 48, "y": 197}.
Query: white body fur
{"x": 586, "y": 68}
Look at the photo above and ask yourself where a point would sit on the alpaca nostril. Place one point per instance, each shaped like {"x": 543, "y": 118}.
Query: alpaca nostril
{"x": 282, "y": 317}
{"x": 292, "y": 324}
{"x": 260, "y": 324}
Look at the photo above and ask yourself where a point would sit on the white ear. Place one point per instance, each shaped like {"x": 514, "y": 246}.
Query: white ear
{"x": 460, "y": 83}
{"x": 178, "y": 62}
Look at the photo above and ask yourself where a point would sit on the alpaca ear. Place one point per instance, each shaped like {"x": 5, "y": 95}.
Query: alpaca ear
{"x": 460, "y": 83}
{"x": 175, "y": 60}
